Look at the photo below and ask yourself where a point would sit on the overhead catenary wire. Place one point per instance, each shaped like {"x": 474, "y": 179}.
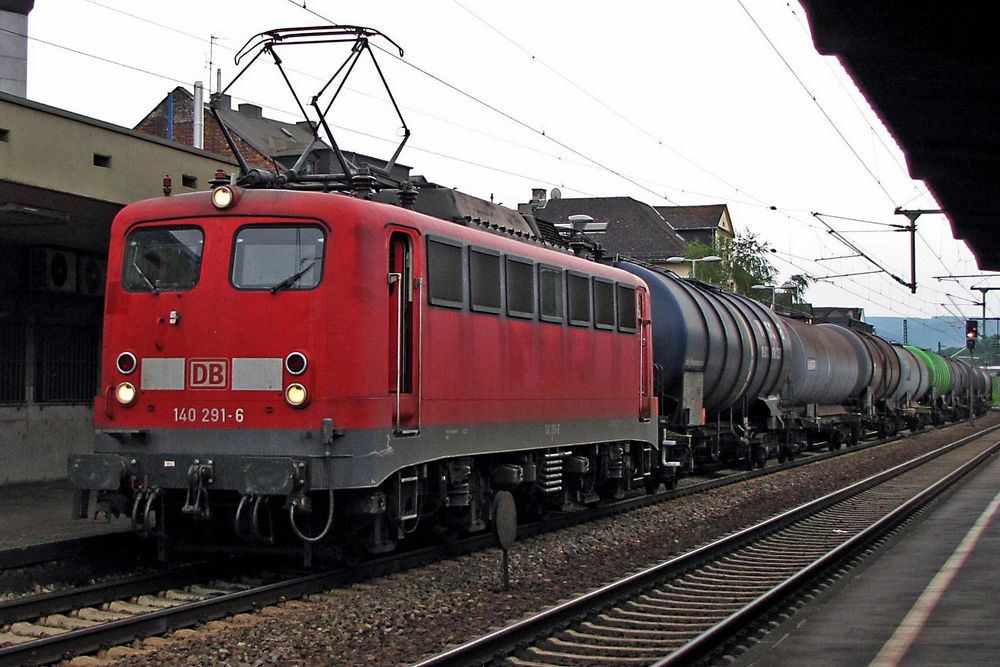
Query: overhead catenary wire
{"x": 873, "y": 297}
{"x": 632, "y": 179}
{"x": 795, "y": 219}
{"x": 550, "y": 138}
{"x": 378, "y": 98}
{"x": 838, "y": 78}
{"x": 497, "y": 110}
{"x": 286, "y": 111}
{"x": 891, "y": 307}
{"x": 813, "y": 97}
{"x": 659, "y": 141}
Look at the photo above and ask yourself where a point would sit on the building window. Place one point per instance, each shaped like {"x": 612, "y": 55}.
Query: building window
{"x": 4, "y": 134}
{"x": 66, "y": 359}
{"x": 444, "y": 273}
{"x": 102, "y": 160}
{"x": 189, "y": 181}
{"x": 484, "y": 280}
{"x": 12, "y": 359}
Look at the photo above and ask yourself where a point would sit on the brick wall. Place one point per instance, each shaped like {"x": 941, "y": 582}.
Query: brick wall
{"x": 155, "y": 123}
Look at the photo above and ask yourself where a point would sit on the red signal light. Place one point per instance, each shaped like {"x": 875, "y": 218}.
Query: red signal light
{"x": 971, "y": 333}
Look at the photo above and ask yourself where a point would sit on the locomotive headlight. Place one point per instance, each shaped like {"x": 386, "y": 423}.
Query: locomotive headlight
{"x": 125, "y": 393}
{"x": 296, "y": 395}
{"x": 223, "y": 197}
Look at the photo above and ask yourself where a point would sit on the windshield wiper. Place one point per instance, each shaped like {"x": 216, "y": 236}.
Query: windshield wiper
{"x": 292, "y": 279}
{"x": 145, "y": 278}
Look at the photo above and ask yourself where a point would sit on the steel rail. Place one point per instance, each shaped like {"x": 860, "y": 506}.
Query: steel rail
{"x": 85, "y": 640}
{"x": 720, "y": 633}
{"x": 55, "y": 602}
{"x": 98, "y": 545}
{"x": 504, "y": 640}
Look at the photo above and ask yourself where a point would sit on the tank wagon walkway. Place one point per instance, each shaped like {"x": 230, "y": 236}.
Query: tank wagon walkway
{"x": 931, "y": 598}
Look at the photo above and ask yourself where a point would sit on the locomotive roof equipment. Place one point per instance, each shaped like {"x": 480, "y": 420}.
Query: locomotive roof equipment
{"x": 352, "y": 177}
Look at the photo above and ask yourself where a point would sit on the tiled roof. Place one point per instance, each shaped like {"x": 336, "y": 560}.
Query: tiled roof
{"x": 692, "y": 217}
{"x": 634, "y": 228}
{"x": 270, "y": 137}
{"x": 279, "y": 140}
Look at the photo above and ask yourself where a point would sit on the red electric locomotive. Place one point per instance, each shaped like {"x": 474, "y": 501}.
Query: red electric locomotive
{"x": 304, "y": 366}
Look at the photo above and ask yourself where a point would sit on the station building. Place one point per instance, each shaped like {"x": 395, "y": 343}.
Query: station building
{"x": 63, "y": 177}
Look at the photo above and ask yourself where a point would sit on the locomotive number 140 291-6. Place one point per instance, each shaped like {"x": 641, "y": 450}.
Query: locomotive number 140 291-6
{"x": 208, "y": 415}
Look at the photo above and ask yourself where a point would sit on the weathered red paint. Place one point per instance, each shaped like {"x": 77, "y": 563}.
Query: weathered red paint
{"x": 471, "y": 368}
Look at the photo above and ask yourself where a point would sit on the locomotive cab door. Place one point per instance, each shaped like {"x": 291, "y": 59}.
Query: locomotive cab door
{"x": 405, "y": 319}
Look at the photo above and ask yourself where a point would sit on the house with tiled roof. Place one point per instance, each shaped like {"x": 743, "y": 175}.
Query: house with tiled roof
{"x": 264, "y": 142}
{"x": 633, "y": 228}
{"x": 709, "y": 224}
{"x": 650, "y": 233}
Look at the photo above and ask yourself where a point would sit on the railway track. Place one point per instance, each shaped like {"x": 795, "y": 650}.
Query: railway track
{"x": 45, "y": 628}
{"x": 693, "y": 608}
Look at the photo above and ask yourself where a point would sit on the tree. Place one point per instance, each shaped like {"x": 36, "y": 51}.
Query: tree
{"x": 750, "y": 263}
{"x": 744, "y": 264}
{"x": 717, "y": 273}
{"x": 794, "y": 295}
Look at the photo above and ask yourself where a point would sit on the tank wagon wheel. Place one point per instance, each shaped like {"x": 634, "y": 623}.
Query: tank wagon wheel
{"x": 836, "y": 440}
{"x": 760, "y": 457}
{"x": 714, "y": 450}
{"x": 785, "y": 453}
{"x": 652, "y": 484}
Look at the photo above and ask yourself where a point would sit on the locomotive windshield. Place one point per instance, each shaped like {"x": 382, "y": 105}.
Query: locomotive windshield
{"x": 162, "y": 259}
{"x": 278, "y": 258}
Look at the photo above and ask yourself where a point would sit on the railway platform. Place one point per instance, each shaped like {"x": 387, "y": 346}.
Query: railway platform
{"x": 40, "y": 513}
{"x": 931, "y": 597}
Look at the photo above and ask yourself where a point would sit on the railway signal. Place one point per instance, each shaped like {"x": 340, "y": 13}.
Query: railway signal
{"x": 971, "y": 333}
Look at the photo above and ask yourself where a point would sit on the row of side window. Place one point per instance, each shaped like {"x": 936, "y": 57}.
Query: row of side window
{"x": 487, "y": 281}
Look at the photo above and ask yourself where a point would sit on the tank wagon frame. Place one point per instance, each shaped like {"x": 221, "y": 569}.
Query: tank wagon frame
{"x": 739, "y": 383}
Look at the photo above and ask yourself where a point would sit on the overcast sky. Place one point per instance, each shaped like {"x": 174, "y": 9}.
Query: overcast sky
{"x": 676, "y": 102}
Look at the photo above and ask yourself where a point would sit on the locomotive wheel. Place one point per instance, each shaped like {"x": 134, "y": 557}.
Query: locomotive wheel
{"x": 652, "y": 485}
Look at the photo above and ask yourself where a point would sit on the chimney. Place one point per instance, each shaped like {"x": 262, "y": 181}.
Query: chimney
{"x": 251, "y": 110}
{"x": 198, "y": 131}
{"x": 538, "y": 198}
{"x": 14, "y": 46}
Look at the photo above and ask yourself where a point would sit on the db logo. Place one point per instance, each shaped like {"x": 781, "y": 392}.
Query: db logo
{"x": 208, "y": 374}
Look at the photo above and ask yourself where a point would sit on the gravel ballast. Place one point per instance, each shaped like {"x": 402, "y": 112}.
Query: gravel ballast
{"x": 399, "y": 618}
